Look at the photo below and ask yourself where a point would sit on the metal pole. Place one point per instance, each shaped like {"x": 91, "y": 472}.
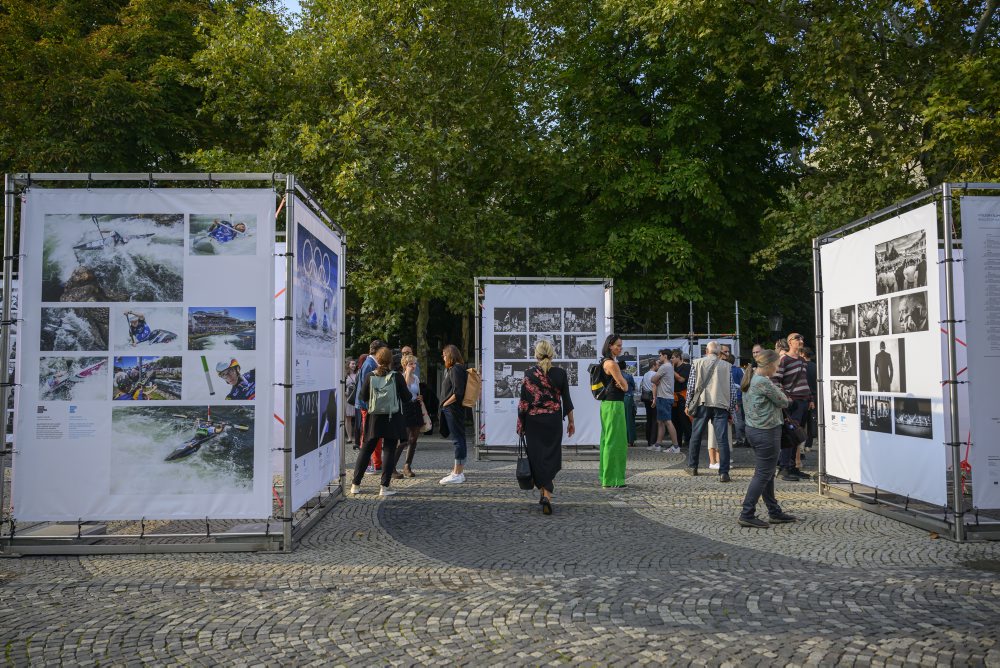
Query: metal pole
{"x": 954, "y": 437}
{"x": 8, "y": 271}
{"x": 690, "y": 336}
{"x": 289, "y": 432}
{"x": 476, "y": 412}
{"x": 736, "y": 345}
{"x": 342, "y": 271}
{"x": 668, "y": 324}
{"x": 708, "y": 323}
{"x": 820, "y": 408}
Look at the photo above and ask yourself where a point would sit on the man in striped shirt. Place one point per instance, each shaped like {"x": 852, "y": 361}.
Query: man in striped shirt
{"x": 792, "y": 377}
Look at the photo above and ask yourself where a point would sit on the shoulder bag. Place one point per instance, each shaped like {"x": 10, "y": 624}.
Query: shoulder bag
{"x": 524, "y": 477}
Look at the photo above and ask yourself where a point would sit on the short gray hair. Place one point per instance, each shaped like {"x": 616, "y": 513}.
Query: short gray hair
{"x": 712, "y": 347}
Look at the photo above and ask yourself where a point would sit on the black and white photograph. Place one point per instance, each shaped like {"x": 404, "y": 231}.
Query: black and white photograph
{"x": 74, "y": 329}
{"x": 873, "y": 318}
{"x": 844, "y": 396}
{"x": 844, "y": 359}
{"x": 182, "y": 450}
{"x": 73, "y": 378}
{"x": 113, "y": 258}
{"x": 328, "y": 416}
{"x": 508, "y": 377}
{"x": 876, "y": 413}
{"x": 580, "y": 319}
{"x": 581, "y": 347}
{"x": 901, "y": 264}
{"x": 913, "y": 417}
{"x": 572, "y": 372}
{"x": 882, "y": 365}
{"x": 909, "y": 313}
{"x": 510, "y": 320}
{"x": 555, "y": 339}
{"x": 306, "y": 423}
{"x": 223, "y": 234}
{"x": 630, "y": 354}
{"x": 510, "y": 346}
{"x": 842, "y": 324}
{"x": 545, "y": 319}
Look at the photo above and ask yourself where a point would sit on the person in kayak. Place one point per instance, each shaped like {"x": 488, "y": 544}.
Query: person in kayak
{"x": 244, "y": 387}
{"x": 326, "y": 314}
{"x": 224, "y": 232}
{"x": 118, "y": 239}
{"x": 140, "y": 332}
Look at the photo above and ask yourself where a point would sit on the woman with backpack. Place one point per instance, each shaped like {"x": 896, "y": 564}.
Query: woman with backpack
{"x": 614, "y": 436}
{"x": 386, "y": 392}
{"x": 452, "y": 410}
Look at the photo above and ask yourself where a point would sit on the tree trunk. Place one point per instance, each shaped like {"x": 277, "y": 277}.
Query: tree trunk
{"x": 465, "y": 340}
{"x": 423, "y": 318}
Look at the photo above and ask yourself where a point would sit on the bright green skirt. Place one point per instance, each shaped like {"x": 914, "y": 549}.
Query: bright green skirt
{"x": 614, "y": 443}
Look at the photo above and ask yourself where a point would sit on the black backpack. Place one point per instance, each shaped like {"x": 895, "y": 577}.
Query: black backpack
{"x": 600, "y": 381}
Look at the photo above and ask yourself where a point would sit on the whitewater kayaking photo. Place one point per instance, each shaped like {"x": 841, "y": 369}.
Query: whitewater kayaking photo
{"x": 147, "y": 378}
{"x": 74, "y": 329}
{"x": 315, "y": 295}
{"x": 113, "y": 258}
{"x": 223, "y": 234}
{"x": 73, "y": 378}
{"x": 140, "y": 328}
{"x": 197, "y": 449}
{"x": 222, "y": 328}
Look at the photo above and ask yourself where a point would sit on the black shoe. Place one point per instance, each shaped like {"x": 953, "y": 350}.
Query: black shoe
{"x": 788, "y": 476}
{"x": 691, "y": 471}
{"x": 546, "y": 506}
{"x": 801, "y": 474}
{"x": 782, "y": 518}
{"x": 724, "y": 477}
{"x": 754, "y": 523}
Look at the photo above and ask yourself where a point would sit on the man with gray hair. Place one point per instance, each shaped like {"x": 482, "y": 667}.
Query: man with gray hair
{"x": 711, "y": 399}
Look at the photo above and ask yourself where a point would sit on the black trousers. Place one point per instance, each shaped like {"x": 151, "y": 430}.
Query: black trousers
{"x": 365, "y": 457}
{"x": 681, "y": 422}
{"x": 651, "y": 426}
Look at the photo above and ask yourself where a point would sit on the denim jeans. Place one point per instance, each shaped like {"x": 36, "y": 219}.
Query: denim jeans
{"x": 719, "y": 418}
{"x": 456, "y": 427}
{"x": 766, "y": 444}
{"x": 797, "y": 410}
{"x": 739, "y": 424}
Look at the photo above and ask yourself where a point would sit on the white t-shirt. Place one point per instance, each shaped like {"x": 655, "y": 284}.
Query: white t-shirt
{"x": 647, "y": 381}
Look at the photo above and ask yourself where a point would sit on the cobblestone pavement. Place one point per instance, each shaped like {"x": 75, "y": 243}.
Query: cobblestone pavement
{"x": 474, "y": 574}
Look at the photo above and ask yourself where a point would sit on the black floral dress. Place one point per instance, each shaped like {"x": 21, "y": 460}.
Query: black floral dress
{"x": 545, "y": 401}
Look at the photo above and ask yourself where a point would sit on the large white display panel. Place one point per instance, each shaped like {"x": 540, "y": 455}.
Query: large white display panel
{"x": 145, "y": 362}
{"x": 981, "y": 245}
{"x": 573, "y": 317}
{"x": 882, "y": 357}
{"x": 316, "y": 350}
{"x": 639, "y": 355}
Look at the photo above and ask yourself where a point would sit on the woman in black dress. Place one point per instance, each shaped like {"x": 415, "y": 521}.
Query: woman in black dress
{"x": 545, "y": 401}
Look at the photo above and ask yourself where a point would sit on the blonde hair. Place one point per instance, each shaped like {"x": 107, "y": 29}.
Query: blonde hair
{"x": 765, "y": 358}
{"x": 544, "y": 352}
{"x": 407, "y": 358}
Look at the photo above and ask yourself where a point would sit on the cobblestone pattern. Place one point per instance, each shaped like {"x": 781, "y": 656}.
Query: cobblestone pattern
{"x": 474, "y": 574}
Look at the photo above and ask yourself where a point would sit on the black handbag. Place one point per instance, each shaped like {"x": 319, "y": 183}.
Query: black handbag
{"x": 524, "y": 477}
{"x": 792, "y": 434}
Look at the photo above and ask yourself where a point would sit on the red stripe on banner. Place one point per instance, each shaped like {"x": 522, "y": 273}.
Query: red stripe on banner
{"x": 276, "y": 497}
{"x": 280, "y": 292}
{"x": 278, "y": 419}
{"x": 945, "y": 331}
{"x": 280, "y": 207}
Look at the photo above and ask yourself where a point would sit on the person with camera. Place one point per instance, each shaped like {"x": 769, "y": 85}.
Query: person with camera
{"x": 764, "y": 404}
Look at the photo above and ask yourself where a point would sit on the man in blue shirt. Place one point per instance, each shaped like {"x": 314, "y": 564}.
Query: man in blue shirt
{"x": 244, "y": 386}
{"x": 224, "y": 232}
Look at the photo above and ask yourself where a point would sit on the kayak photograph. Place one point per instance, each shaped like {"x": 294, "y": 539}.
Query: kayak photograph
{"x": 142, "y": 327}
{"x": 113, "y": 258}
{"x": 147, "y": 378}
{"x": 221, "y": 375}
{"x": 229, "y": 234}
{"x": 222, "y": 328}
{"x": 315, "y": 295}
{"x": 195, "y": 449}
{"x": 74, "y": 329}
{"x": 73, "y": 379}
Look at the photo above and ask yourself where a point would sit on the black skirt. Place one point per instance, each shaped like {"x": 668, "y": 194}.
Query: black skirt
{"x": 412, "y": 414}
{"x": 543, "y": 441}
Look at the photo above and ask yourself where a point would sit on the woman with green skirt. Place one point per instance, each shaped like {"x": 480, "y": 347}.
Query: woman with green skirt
{"x": 614, "y": 438}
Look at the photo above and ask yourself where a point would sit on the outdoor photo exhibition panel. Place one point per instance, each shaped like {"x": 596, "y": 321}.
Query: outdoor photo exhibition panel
{"x": 515, "y": 316}
{"x": 145, "y": 363}
{"x": 981, "y": 247}
{"x": 883, "y": 371}
{"x": 316, "y": 351}
{"x": 639, "y": 355}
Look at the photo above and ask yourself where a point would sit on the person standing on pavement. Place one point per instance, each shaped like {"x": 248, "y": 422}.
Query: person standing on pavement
{"x": 791, "y": 377}
{"x": 646, "y": 394}
{"x": 663, "y": 396}
{"x": 764, "y": 403}
{"x": 452, "y": 410}
{"x": 630, "y": 410}
{"x": 543, "y": 405}
{"x": 682, "y": 423}
{"x": 614, "y": 443}
{"x": 383, "y": 423}
{"x": 711, "y": 399}
{"x": 414, "y": 416}
{"x": 350, "y": 388}
{"x": 361, "y": 401}
{"x": 812, "y": 431}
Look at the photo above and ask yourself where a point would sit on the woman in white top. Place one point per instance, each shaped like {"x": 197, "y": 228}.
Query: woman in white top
{"x": 414, "y": 416}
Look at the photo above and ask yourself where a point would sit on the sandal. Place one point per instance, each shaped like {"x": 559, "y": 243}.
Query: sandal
{"x": 546, "y": 506}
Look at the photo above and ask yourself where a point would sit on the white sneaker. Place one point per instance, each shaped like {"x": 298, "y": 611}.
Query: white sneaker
{"x": 713, "y": 466}
{"x": 385, "y": 491}
{"x": 656, "y": 448}
{"x": 452, "y": 479}
{"x": 355, "y": 489}
{"x": 674, "y": 450}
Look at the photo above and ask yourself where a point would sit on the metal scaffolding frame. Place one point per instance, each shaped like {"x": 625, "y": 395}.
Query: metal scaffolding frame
{"x": 241, "y": 538}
